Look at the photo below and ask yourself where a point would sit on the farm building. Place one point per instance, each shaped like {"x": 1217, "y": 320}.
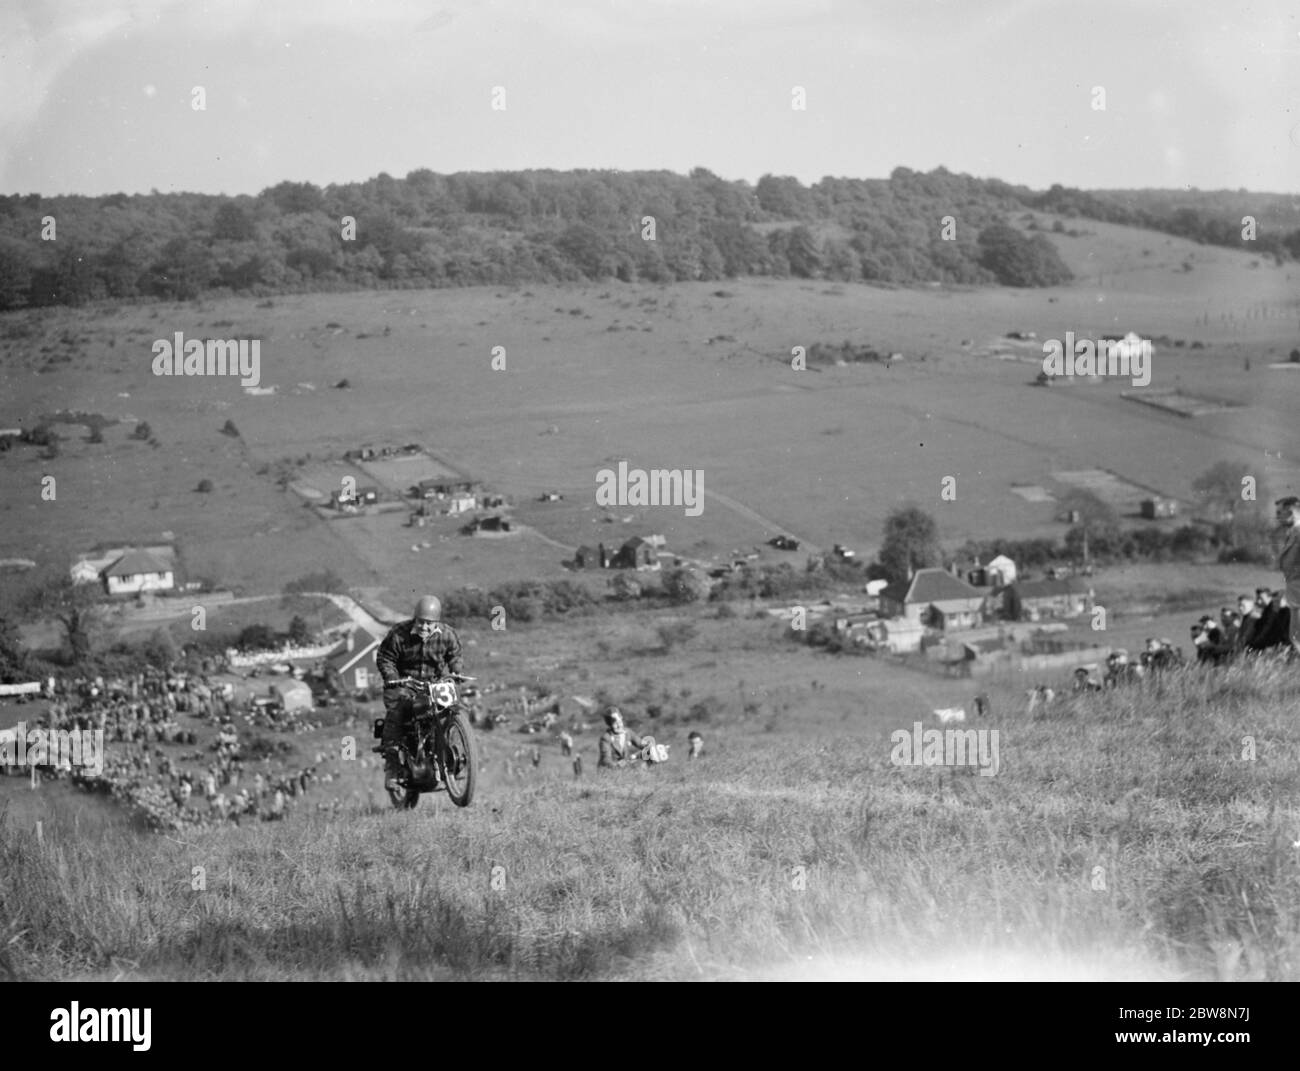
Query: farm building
{"x": 1157, "y": 508}
{"x": 936, "y": 598}
{"x": 443, "y": 486}
{"x": 354, "y": 661}
{"x": 85, "y": 572}
{"x": 636, "y": 553}
{"x": 137, "y": 571}
{"x": 1001, "y": 571}
{"x": 461, "y": 502}
{"x": 1062, "y": 597}
{"x": 293, "y": 695}
{"x": 590, "y": 558}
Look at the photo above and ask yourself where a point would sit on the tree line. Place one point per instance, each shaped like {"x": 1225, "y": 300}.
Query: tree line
{"x": 432, "y": 230}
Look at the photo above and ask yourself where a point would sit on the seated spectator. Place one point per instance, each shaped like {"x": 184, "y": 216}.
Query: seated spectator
{"x": 618, "y": 744}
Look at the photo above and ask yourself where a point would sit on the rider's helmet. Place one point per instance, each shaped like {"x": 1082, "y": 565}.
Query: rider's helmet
{"x": 428, "y": 612}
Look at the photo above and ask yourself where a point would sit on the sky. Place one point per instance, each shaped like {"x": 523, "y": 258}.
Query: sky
{"x": 97, "y": 96}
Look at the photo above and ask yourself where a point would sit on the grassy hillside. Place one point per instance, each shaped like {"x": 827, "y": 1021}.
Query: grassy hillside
{"x": 1124, "y": 837}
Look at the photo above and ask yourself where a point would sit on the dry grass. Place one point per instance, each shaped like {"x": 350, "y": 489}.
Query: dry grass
{"x": 685, "y": 871}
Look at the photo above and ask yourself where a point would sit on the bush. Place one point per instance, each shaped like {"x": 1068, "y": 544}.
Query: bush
{"x": 256, "y": 638}
{"x": 204, "y": 487}
{"x": 683, "y": 586}
{"x": 624, "y": 585}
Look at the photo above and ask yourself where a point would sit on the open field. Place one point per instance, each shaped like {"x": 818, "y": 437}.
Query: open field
{"x": 825, "y": 454}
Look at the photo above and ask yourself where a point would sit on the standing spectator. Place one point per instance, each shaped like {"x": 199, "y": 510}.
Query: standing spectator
{"x": 1288, "y": 561}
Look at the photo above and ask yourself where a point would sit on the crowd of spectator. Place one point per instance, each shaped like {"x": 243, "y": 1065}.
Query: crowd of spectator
{"x": 1258, "y": 623}
{"x": 171, "y": 791}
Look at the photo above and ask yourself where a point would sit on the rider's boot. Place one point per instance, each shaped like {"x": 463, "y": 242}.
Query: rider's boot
{"x": 393, "y": 772}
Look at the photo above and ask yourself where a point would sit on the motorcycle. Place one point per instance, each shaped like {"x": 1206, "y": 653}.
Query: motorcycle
{"x": 439, "y": 751}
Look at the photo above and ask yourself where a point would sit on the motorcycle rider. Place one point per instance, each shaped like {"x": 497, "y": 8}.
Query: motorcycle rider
{"x": 424, "y": 648}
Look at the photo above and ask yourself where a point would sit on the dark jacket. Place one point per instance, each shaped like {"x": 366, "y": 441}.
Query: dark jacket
{"x": 404, "y": 654}
{"x": 1288, "y": 557}
{"x": 613, "y": 750}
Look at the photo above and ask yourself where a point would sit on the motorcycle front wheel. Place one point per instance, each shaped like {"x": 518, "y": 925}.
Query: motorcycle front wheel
{"x": 460, "y": 760}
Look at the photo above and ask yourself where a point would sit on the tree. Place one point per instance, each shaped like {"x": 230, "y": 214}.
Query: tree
{"x": 232, "y": 223}
{"x": 13, "y": 656}
{"x": 1018, "y": 261}
{"x": 183, "y": 270}
{"x": 75, "y": 606}
{"x": 299, "y": 633}
{"x": 911, "y": 542}
{"x": 159, "y": 649}
{"x": 15, "y": 274}
{"x": 802, "y": 253}
{"x": 204, "y": 487}
{"x": 1220, "y": 486}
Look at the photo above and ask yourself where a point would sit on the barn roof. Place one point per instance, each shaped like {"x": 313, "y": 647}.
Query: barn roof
{"x": 135, "y": 562}
{"x": 932, "y": 585}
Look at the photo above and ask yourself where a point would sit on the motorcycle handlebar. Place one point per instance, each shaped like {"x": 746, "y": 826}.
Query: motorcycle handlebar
{"x": 417, "y": 680}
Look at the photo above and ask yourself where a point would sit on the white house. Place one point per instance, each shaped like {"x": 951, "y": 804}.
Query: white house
{"x": 461, "y": 502}
{"x": 138, "y": 570}
{"x": 1001, "y": 571}
{"x": 354, "y": 661}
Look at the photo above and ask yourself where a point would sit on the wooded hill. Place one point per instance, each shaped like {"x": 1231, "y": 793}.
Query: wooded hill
{"x": 431, "y": 230}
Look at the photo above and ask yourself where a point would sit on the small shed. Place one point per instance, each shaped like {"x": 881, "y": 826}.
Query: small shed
{"x": 293, "y": 695}
{"x": 637, "y": 553}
